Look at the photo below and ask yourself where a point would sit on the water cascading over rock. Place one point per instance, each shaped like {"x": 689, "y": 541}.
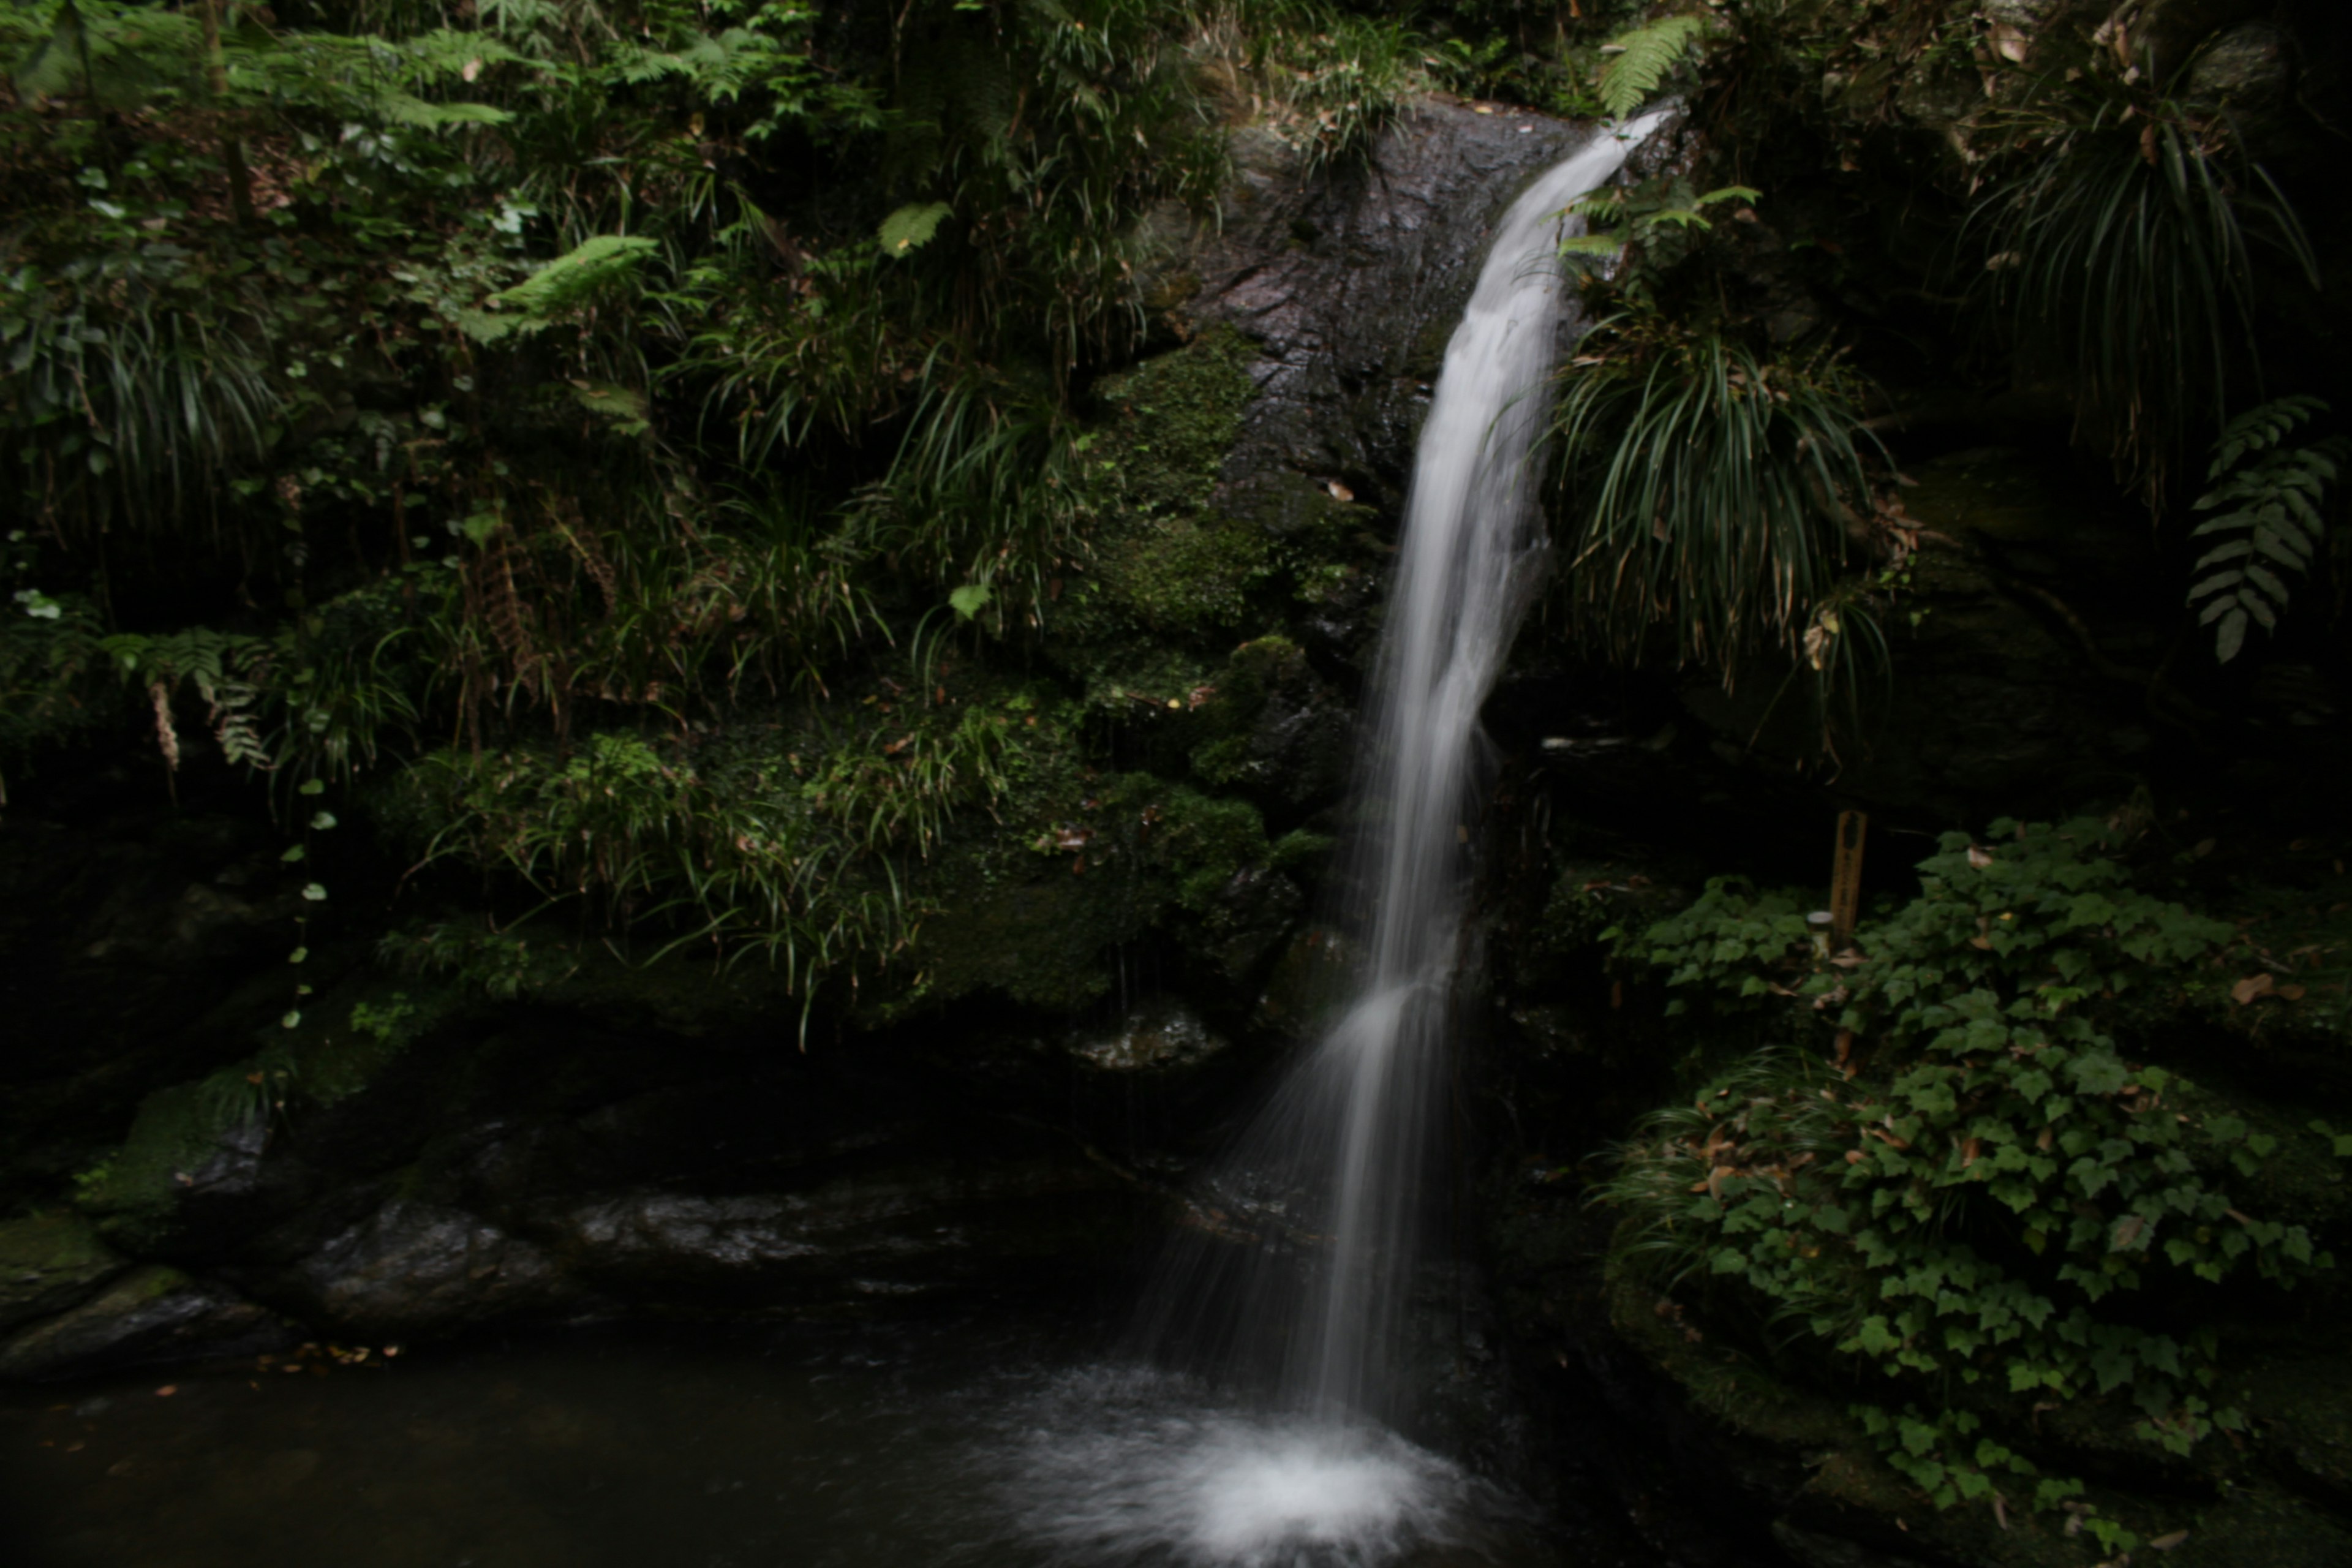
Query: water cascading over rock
{"x": 1318, "y": 1218}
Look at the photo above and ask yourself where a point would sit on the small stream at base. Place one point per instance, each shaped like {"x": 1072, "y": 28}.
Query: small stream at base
{"x": 966, "y": 1443}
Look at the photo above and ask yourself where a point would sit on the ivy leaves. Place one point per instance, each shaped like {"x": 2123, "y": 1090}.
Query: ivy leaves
{"x": 2267, "y": 518}
{"x": 1956, "y": 1200}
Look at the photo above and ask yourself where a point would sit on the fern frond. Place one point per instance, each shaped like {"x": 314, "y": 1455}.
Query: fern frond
{"x": 600, "y": 260}
{"x": 2268, "y": 511}
{"x": 1647, "y": 54}
{"x": 2261, "y": 428}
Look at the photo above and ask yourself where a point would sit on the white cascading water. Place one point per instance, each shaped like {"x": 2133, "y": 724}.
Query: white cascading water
{"x": 1467, "y": 564}
{"x": 1333, "y": 1177}
{"x": 1298, "y": 1294}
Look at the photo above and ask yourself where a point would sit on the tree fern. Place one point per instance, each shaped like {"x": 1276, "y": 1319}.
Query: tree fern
{"x": 2273, "y": 528}
{"x": 1645, "y": 56}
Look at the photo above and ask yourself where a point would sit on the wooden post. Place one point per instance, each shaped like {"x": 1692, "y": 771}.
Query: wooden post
{"x": 1846, "y": 879}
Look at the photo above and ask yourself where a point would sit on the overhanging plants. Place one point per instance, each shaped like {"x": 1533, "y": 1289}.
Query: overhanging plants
{"x": 2123, "y": 262}
{"x": 1711, "y": 494}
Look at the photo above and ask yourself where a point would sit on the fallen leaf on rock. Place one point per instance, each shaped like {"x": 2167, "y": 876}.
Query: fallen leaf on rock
{"x": 2253, "y": 985}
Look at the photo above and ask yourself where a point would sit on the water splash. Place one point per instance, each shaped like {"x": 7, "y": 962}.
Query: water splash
{"x": 1320, "y": 1210}
{"x": 1147, "y": 1469}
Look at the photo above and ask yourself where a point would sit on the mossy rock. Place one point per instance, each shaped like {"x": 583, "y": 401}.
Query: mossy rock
{"x": 190, "y": 1137}
{"x": 1038, "y": 941}
{"x": 2304, "y": 1417}
{"x": 49, "y": 1263}
{"x": 150, "y": 1314}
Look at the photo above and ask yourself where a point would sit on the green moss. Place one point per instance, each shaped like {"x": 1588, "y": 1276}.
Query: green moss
{"x": 1080, "y": 863}
{"x": 1163, "y": 553}
{"x": 49, "y": 1263}
{"x": 343, "y": 1044}
{"x": 135, "y": 1194}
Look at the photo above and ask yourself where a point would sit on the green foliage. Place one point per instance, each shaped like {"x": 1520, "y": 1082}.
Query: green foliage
{"x": 1709, "y": 489}
{"x": 803, "y": 858}
{"x": 1333, "y": 78}
{"x": 48, "y": 653}
{"x": 386, "y": 1022}
{"x": 1644, "y": 57}
{"x": 911, "y": 227}
{"x": 1651, "y": 216}
{"x": 598, "y": 263}
{"x": 251, "y": 1091}
{"x": 2271, "y": 526}
{"x": 498, "y": 403}
{"x": 1955, "y": 1182}
{"x": 2124, "y": 260}
{"x": 503, "y": 963}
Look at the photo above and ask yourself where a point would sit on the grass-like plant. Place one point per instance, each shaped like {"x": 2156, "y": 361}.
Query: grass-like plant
{"x": 1710, "y": 493}
{"x": 2124, "y": 261}
{"x": 137, "y": 391}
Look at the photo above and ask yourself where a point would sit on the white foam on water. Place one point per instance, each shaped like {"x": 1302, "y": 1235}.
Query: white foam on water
{"x": 1140, "y": 1468}
{"x": 1255, "y": 1493}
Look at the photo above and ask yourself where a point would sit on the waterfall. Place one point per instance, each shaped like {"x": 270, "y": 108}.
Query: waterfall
{"x": 1322, "y": 1205}
{"x": 1263, "y": 1429}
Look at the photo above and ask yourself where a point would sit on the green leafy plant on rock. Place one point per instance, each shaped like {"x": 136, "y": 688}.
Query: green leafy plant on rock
{"x": 1658, "y": 216}
{"x": 1956, "y": 1187}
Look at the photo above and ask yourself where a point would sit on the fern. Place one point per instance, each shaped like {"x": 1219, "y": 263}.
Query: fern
{"x": 1644, "y": 57}
{"x": 911, "y": 227}
{"x": 2272, "y": 527}
{"x": 571, "y": 277}
{"x": 1616, "y": 217}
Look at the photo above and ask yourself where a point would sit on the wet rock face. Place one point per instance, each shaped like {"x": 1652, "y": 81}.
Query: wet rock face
{"x": 1348, "y": 287}
{"x": 419, "y": 1268}
{"x": 1161, "y": 1036}
{"x": 555, "y": 1174}
{"x": 151, "y": 1314}
{"x": 2029, "y": 657}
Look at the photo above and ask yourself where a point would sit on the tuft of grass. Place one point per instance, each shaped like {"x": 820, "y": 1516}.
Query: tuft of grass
{"x": 2124, "y": 260}
{"x": 1710, "y": 492}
